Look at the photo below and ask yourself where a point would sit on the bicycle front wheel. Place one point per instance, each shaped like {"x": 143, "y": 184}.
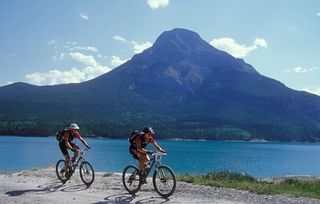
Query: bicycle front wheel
{"x": 164, "y": 181}
{"x": 86, "y": 173}
{"x": 60, "y": 171}
{"x": 131, "y": 179}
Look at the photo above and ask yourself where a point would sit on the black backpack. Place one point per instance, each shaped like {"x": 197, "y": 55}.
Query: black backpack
{"x": 59, "y": 135}
{"x": 134, "y": 135}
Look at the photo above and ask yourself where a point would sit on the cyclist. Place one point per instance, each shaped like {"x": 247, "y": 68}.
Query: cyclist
{"x": 66, "y": 143}
{"x": 137, "y": 147}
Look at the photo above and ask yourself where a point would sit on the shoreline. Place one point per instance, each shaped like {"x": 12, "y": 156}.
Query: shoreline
{"x": 263, "y": 141}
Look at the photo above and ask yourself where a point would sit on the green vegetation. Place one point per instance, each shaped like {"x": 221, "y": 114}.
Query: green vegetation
{"x": 289, "y": 186}
{"x": 108, "y": 174}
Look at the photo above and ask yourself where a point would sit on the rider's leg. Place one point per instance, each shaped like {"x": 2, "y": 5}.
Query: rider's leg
{"x": 66, "y": 162}
{"x": 142, "y": 161}
{"x": 65, "y": 153}
{"x": 76, "y": 152}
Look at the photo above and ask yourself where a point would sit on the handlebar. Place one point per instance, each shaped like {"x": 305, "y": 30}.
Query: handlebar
{"x": 159, "y": 153}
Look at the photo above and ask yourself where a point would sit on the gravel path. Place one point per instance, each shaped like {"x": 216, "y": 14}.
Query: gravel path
{"x": 42, "y": 186}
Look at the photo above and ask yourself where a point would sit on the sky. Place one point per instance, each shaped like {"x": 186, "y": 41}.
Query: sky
{"x": 48, "y": 42}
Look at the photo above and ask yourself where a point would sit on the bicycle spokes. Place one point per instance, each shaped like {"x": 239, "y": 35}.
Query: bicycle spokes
{"x": 131, "y": 179}
{"x": 86, "y": 173}
{"x": 164, "y": 181}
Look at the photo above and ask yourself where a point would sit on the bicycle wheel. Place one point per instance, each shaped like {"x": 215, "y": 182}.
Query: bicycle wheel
{"x": 131, "y": 179}
{"x": 60, "y": 171}
{"x": 86, "y": 173}
{"x": 164, "y": 181}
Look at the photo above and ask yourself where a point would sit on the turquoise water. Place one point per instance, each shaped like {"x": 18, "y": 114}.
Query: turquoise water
{"x": 111, "y": 155}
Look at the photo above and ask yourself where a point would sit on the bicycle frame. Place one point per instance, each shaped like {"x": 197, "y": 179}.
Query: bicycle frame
{"x": 81, "y": 158}
{"x": 155, "y": 161}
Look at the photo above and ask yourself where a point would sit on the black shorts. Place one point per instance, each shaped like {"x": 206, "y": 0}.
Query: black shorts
{"x": 133, "y": 148}
{"x": 64, "y": 148}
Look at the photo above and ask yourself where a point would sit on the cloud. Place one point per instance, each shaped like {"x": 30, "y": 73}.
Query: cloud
{"x": 318, "y": 14}
{"x": 155, "y": 4}
{"x": 58, "y": 57}
{"x": 232, "y": 47}
{"x": 71, "y": 42}
{"x": 91, "y": 70}
{"x": 116, "y": 61}
{"x": 87, "y": 48}
{"x": 314, "y": 90}
{"x": 300, "y": 69}
{"x": 84, "y": 16}
{"x": 137, "y": 47}
{"x": 119, "y": 38}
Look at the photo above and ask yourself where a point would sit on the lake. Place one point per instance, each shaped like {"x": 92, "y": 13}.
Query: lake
{"x": 111, "y": 155}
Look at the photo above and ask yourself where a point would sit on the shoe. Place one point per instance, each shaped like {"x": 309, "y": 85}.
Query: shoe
{"x": 143, "y": 177}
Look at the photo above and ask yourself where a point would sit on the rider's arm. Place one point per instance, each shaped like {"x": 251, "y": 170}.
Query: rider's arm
{"x": 155, "y": 144}
{"x": 82, "y": 140}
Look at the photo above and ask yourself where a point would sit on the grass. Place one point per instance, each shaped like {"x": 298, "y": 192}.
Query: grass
{"x": 240, "y": 181}
{"x": 108, "y": 174}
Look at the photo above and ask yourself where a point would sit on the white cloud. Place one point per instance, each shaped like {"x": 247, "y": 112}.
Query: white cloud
{"x": 71, "y": 42}
{"x": 119, "y": 38}
{"x": 58, "y": 57}
{"x": 85, "y": 59}
{"x": 314, "y": 90}
{"x": 138, "y": 48}
{"x": 87, "y": 48}
{"x": 318, "y": 14}
{"x": 116, "y": 61}
{"x": 301, "y": 69}
{"x": 232, "y": 47}
{"x": 155, "y": 4}
{"x": 84, "y": 16}
{"x": 91, "y": 70}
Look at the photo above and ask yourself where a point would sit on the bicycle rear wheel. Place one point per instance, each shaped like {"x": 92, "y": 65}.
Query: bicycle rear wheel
{"x": 164, "y": 181}
{"x": 60, "y": 171}
{"x": 131, "y": 179}
{"x": 86, "y": 173}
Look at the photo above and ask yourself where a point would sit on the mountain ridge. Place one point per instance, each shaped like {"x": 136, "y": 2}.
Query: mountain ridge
{"x": 182, "y": 86}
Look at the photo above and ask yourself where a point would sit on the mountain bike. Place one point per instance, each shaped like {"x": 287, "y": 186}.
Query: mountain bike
{"x": 85, "y": 169}
{"x": 164, "y": 179}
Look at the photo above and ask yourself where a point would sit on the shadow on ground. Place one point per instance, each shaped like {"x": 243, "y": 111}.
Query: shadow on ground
{"x": 48, "y": 188}
{"x": 126, "y": 198}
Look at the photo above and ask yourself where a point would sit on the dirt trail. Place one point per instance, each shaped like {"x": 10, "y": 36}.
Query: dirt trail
{"x": 42, "y": 186}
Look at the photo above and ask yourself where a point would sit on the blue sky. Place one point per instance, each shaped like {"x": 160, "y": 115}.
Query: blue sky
{"x": 46, "y": 42}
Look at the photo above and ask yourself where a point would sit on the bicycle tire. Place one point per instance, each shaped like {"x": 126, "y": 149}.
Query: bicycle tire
{"x": 170, "y": 176}
{"x": 85, "y": 170}
{"x": 59, "y": 172}
{"x": 131, "y": 174}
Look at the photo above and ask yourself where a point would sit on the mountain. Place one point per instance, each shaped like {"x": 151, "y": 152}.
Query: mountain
{"x": 182, "y": 86}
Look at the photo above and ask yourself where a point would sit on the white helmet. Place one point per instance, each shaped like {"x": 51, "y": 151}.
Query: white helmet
{"x": 74, "y": 126}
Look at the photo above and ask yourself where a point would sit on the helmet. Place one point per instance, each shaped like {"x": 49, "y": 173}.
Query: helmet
{"x": 74, "y": 126}
{"x": 148, "y": 130}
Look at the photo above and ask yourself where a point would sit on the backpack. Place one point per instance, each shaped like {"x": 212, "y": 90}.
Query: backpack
{"x": 59, "y": 135}
{"x": 134, "y": 135}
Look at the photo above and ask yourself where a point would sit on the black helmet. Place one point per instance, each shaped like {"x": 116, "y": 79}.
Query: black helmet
{"x": 148, "y": 130}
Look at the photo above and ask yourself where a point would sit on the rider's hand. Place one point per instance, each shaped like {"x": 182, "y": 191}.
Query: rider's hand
{"x": 163, "y": 151}
{"x": 88, "y": 147}
{"x": 72, "y": 149}
{"x": 149, "y": 152}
